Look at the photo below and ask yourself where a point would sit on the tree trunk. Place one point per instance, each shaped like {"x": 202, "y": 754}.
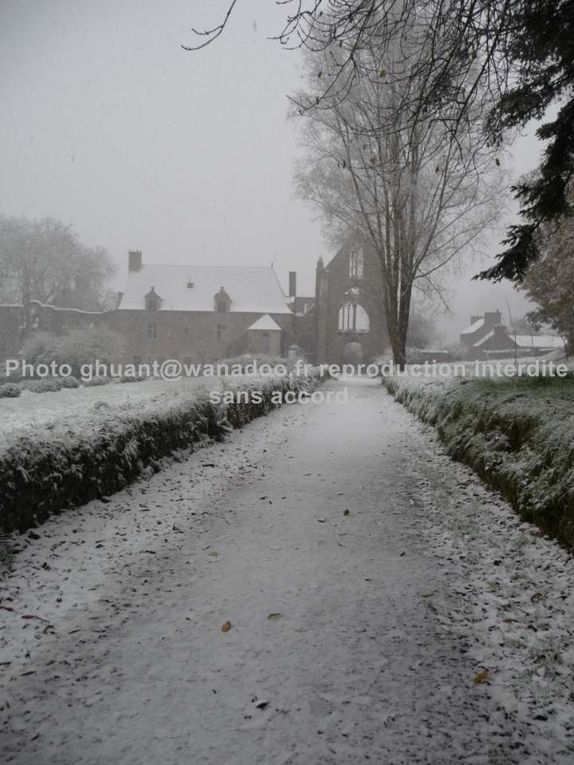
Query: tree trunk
{"x": 398, "y": 340}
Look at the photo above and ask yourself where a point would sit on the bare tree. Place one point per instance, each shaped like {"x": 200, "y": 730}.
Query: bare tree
{"x": 44, "y": 260}
{"x": 416, "y": 192}
{"x": 518, "y": 52}
{"x": 455, "y": 36}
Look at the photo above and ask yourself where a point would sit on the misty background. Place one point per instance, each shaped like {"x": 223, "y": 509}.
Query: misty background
{"x": 110, "y": 126}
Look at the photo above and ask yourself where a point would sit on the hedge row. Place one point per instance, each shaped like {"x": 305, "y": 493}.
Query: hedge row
{"x": 518, "y": 436}
{"x": 52, "y": 472}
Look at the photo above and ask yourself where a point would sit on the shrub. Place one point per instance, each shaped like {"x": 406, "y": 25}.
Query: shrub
{"x": 49, "y": 385}
{"x": 9, "y": 390}
{"x": 250, "y": 359}
{"x": 69, "y": 382}
{"x": 97, "y": 380}
{"x": 133, "y": 378}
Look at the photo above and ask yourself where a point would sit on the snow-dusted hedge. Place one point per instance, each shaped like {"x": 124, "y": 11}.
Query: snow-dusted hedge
{"x": 46, "y": 473}
{"x": 8, "y": 390}
{"x": 50, "y": 384}
{"x": 518, "y": 434}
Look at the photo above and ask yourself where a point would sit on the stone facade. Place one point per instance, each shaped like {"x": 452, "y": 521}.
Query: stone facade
{"x": 196, "y": 337}
{"x": 201, "y": 314}
{"x": 349, "y": 320}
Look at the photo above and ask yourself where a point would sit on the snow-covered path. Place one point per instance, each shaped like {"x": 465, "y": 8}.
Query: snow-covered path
{"x": 367, "y": 581}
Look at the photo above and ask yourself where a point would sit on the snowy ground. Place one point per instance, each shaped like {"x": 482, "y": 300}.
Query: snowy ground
{"x": 368, "y": 582}
{"x": 72, "y": 407}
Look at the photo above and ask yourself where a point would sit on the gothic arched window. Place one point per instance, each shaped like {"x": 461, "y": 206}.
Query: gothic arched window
{"x": 353, "y": 318}
{"x": 356, "y": 264}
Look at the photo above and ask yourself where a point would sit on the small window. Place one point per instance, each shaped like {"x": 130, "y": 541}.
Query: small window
{"x": 220, "y": 330}
{"x": 137, "y": 360}
{"x": 152, "y": 330}
{"x": 186, "y": 330}
{"x": 356, "y": 264}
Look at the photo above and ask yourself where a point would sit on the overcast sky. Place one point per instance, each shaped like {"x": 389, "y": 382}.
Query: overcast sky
{"x": 109, "y": 125}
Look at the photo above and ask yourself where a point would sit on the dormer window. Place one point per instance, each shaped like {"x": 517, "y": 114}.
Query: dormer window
{"x": 152, "y": 300}
{"x": 189, "y": 284}
{"x": 356, "y": 264}
{"x": 222, "y": 301}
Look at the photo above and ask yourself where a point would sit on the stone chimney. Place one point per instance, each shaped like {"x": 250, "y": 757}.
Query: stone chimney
{"x": 134, "y": 260}
{"x": 492, "y": 318}
{"x": 292, "y": 284}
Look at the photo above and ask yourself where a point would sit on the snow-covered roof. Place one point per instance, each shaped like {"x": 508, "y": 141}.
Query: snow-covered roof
{"x": 539, "y": 341}
{"x": 483, "y": 339}
{"x": 266, "y": 323}
{"x": 252, "y": 289}
{"x": 527, "y": 341}
{"x": 473, "y": 327}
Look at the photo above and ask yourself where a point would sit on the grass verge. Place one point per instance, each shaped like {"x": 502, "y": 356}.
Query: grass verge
{"x": 516, "y": 433}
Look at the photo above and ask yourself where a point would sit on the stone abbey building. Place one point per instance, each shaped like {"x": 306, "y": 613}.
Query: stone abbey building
{"x": 202, "y": 314}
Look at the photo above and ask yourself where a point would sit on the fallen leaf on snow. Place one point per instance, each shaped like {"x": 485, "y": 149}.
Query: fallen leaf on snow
{"x": 274, "y": 616}
{"x": 481, "y": 677}
{"x": 226, "y": 626}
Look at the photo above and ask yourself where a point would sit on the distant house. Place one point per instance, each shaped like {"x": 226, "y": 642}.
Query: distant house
{"x": 488, "y": 338}
{"x": 479, "y": 327}
{"x": 199, "y": 314}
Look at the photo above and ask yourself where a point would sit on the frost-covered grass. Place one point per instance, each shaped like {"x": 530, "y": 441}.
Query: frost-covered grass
{"x": 69, "y": 408}
{"x": 73, "y": 459}
{"x": 517, "y": 433}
